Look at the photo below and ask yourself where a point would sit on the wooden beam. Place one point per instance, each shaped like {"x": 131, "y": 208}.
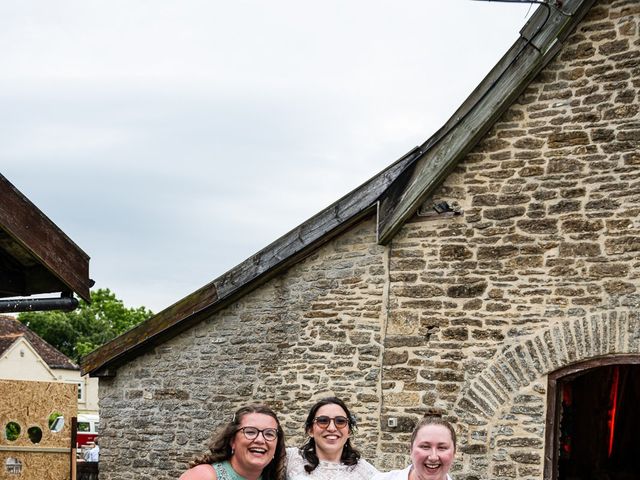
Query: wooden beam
{"x": 541, "y": 40}
{"x": 33, "y": 231}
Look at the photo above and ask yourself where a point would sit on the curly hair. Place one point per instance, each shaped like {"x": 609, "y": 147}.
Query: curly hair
{"x": 220, "y": 444}
{"x": 350, "y": 455}
{"x": 433, "y": 420}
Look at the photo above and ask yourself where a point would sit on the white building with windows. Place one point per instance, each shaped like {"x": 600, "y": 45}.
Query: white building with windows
{"x": 26, "y": 356}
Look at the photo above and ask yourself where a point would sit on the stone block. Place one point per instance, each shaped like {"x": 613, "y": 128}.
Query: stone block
{"x": 609, "y": 270}
{"x": 392, "y": 357}
{"x": 525, "y": 457}
{"x": 581, "y": 226}
{"x": 497, "y": 252}
{"x": 402, "y": 399}
{"x": 503, "y": 213}
{"x": 579, "y": 249}
{"x": 417, "y": 291}
{"x": 620, "y": 245}
{"x": 467, "y": 290}
{"x": 405, "y": 423}
{"x": 542, "y": 226}
{"x": 616, "y": 46}
{"x": 484, "y": 200}
{"x": 455, "y": 333}
{"x": 504, "y": 470}
{"x": 618, "y": 287}
{"x": 454, "y": 252}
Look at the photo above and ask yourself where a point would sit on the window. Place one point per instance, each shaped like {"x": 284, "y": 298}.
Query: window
{"x": 13, "y": 466}
{"x": 56, "y": 423}
{"x": 84, "y": 427}
{"x": 81, "y": 391}
{"x": 35, "y": 434}
{"x": 12, "y": 431}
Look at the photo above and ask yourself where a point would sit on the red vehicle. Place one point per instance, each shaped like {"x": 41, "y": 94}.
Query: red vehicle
{"x": 87, "y": 429}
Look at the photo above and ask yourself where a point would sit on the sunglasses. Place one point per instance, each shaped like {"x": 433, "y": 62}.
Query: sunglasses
{"x": 323, "y": 421}
{"x": 251, "y": 433}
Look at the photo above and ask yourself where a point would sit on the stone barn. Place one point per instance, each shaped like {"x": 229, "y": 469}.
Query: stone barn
{"x": 491, "y": 275}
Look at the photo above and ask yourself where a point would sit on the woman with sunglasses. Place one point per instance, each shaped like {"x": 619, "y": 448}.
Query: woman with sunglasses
{"x": 249, "y": 447}
{"x": 328, "y": 454}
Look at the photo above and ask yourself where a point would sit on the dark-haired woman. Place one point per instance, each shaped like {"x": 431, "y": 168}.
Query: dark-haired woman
{"x": 249, "y": 447}
{"x": 328, "y": 454}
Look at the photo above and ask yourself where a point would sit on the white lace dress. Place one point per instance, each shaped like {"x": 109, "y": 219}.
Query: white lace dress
{"x": 363, "y": 470}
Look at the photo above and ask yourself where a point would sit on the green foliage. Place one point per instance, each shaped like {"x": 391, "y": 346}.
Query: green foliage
{"x": 12, "y": 431}
{"x": 52, "y": 418}
{"x": 89, "y": 326}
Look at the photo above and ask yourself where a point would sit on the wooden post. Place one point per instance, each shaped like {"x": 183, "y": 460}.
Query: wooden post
{"x": 74, "y": 431}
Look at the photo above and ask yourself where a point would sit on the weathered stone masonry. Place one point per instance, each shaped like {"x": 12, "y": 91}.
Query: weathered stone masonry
{"x": 465, "y": 315}
{"x": 540, "y": 271}
{"x": 313, "y": 331}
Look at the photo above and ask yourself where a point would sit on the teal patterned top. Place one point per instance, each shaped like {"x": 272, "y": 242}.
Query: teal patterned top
{"x": 225, "y": 471}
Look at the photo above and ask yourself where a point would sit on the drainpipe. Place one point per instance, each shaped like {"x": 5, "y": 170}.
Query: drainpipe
{"x": 66, "y": 302}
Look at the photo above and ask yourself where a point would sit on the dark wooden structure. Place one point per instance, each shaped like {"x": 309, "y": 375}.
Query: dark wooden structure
{"x": 590, "y": 404}
{"x": 87, "y": 471}
{"x": 35, "y": 255}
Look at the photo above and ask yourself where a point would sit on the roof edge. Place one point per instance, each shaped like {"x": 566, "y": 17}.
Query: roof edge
{"x": 255, "y": 270}
{"x": 541, "y": 39}
{"x": 36, "y": 233}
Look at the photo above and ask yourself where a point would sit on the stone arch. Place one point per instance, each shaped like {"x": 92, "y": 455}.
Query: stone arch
{"x": 501, "y": 409}
{"x": 561, "y": 344}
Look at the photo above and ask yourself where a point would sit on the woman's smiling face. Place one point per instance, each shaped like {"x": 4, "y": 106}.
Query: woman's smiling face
{"x": 253, "y": 455}
{"x": 329, "y": 441}
{"x": 432, "y": 453}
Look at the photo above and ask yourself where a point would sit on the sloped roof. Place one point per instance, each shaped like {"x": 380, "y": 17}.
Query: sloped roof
{"x": 394, "y": 194}
{"x": 540, "y": 40}
{"x": 11, "y": 330}
{"x": 35, "y": 255}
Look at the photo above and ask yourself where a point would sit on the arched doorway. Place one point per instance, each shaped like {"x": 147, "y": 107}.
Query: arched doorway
{"x": 593, "y": 417}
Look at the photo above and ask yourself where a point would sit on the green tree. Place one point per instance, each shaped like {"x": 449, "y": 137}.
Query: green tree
{"x": 89, "y": 326}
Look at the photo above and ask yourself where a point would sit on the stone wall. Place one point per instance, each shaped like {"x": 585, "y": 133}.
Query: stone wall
{"x": 541, "y": 269}
{"x": 464, "y": 315}
{"x": 311, "y": 332}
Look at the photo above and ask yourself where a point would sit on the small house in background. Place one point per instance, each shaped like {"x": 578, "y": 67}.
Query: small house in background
{"x": 491, "y": 275}
{"x": 26, "y": 356}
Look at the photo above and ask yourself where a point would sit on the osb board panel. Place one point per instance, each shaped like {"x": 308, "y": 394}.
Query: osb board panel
{"x": 38, "y": 466}
{"x": 29, "y": 404}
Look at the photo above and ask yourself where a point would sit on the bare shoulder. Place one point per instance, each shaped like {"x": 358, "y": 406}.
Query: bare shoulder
{"x": 200, "y": 472}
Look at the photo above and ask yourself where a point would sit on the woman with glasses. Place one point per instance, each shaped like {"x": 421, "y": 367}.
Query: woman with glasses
{"x": 328, "y": 454}
{"x": 249, "y": 447}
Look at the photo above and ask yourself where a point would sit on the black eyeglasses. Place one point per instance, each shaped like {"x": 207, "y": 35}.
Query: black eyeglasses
{"x": 251, "y": 433}
{"x": 323, "y": 421}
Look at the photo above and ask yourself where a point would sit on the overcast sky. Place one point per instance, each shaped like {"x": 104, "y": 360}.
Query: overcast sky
{"x": 173, "y": 139}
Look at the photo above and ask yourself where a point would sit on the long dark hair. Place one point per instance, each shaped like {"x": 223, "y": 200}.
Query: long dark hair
{"x": 350, "y": 455}
{"x": 220, "y": 444}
